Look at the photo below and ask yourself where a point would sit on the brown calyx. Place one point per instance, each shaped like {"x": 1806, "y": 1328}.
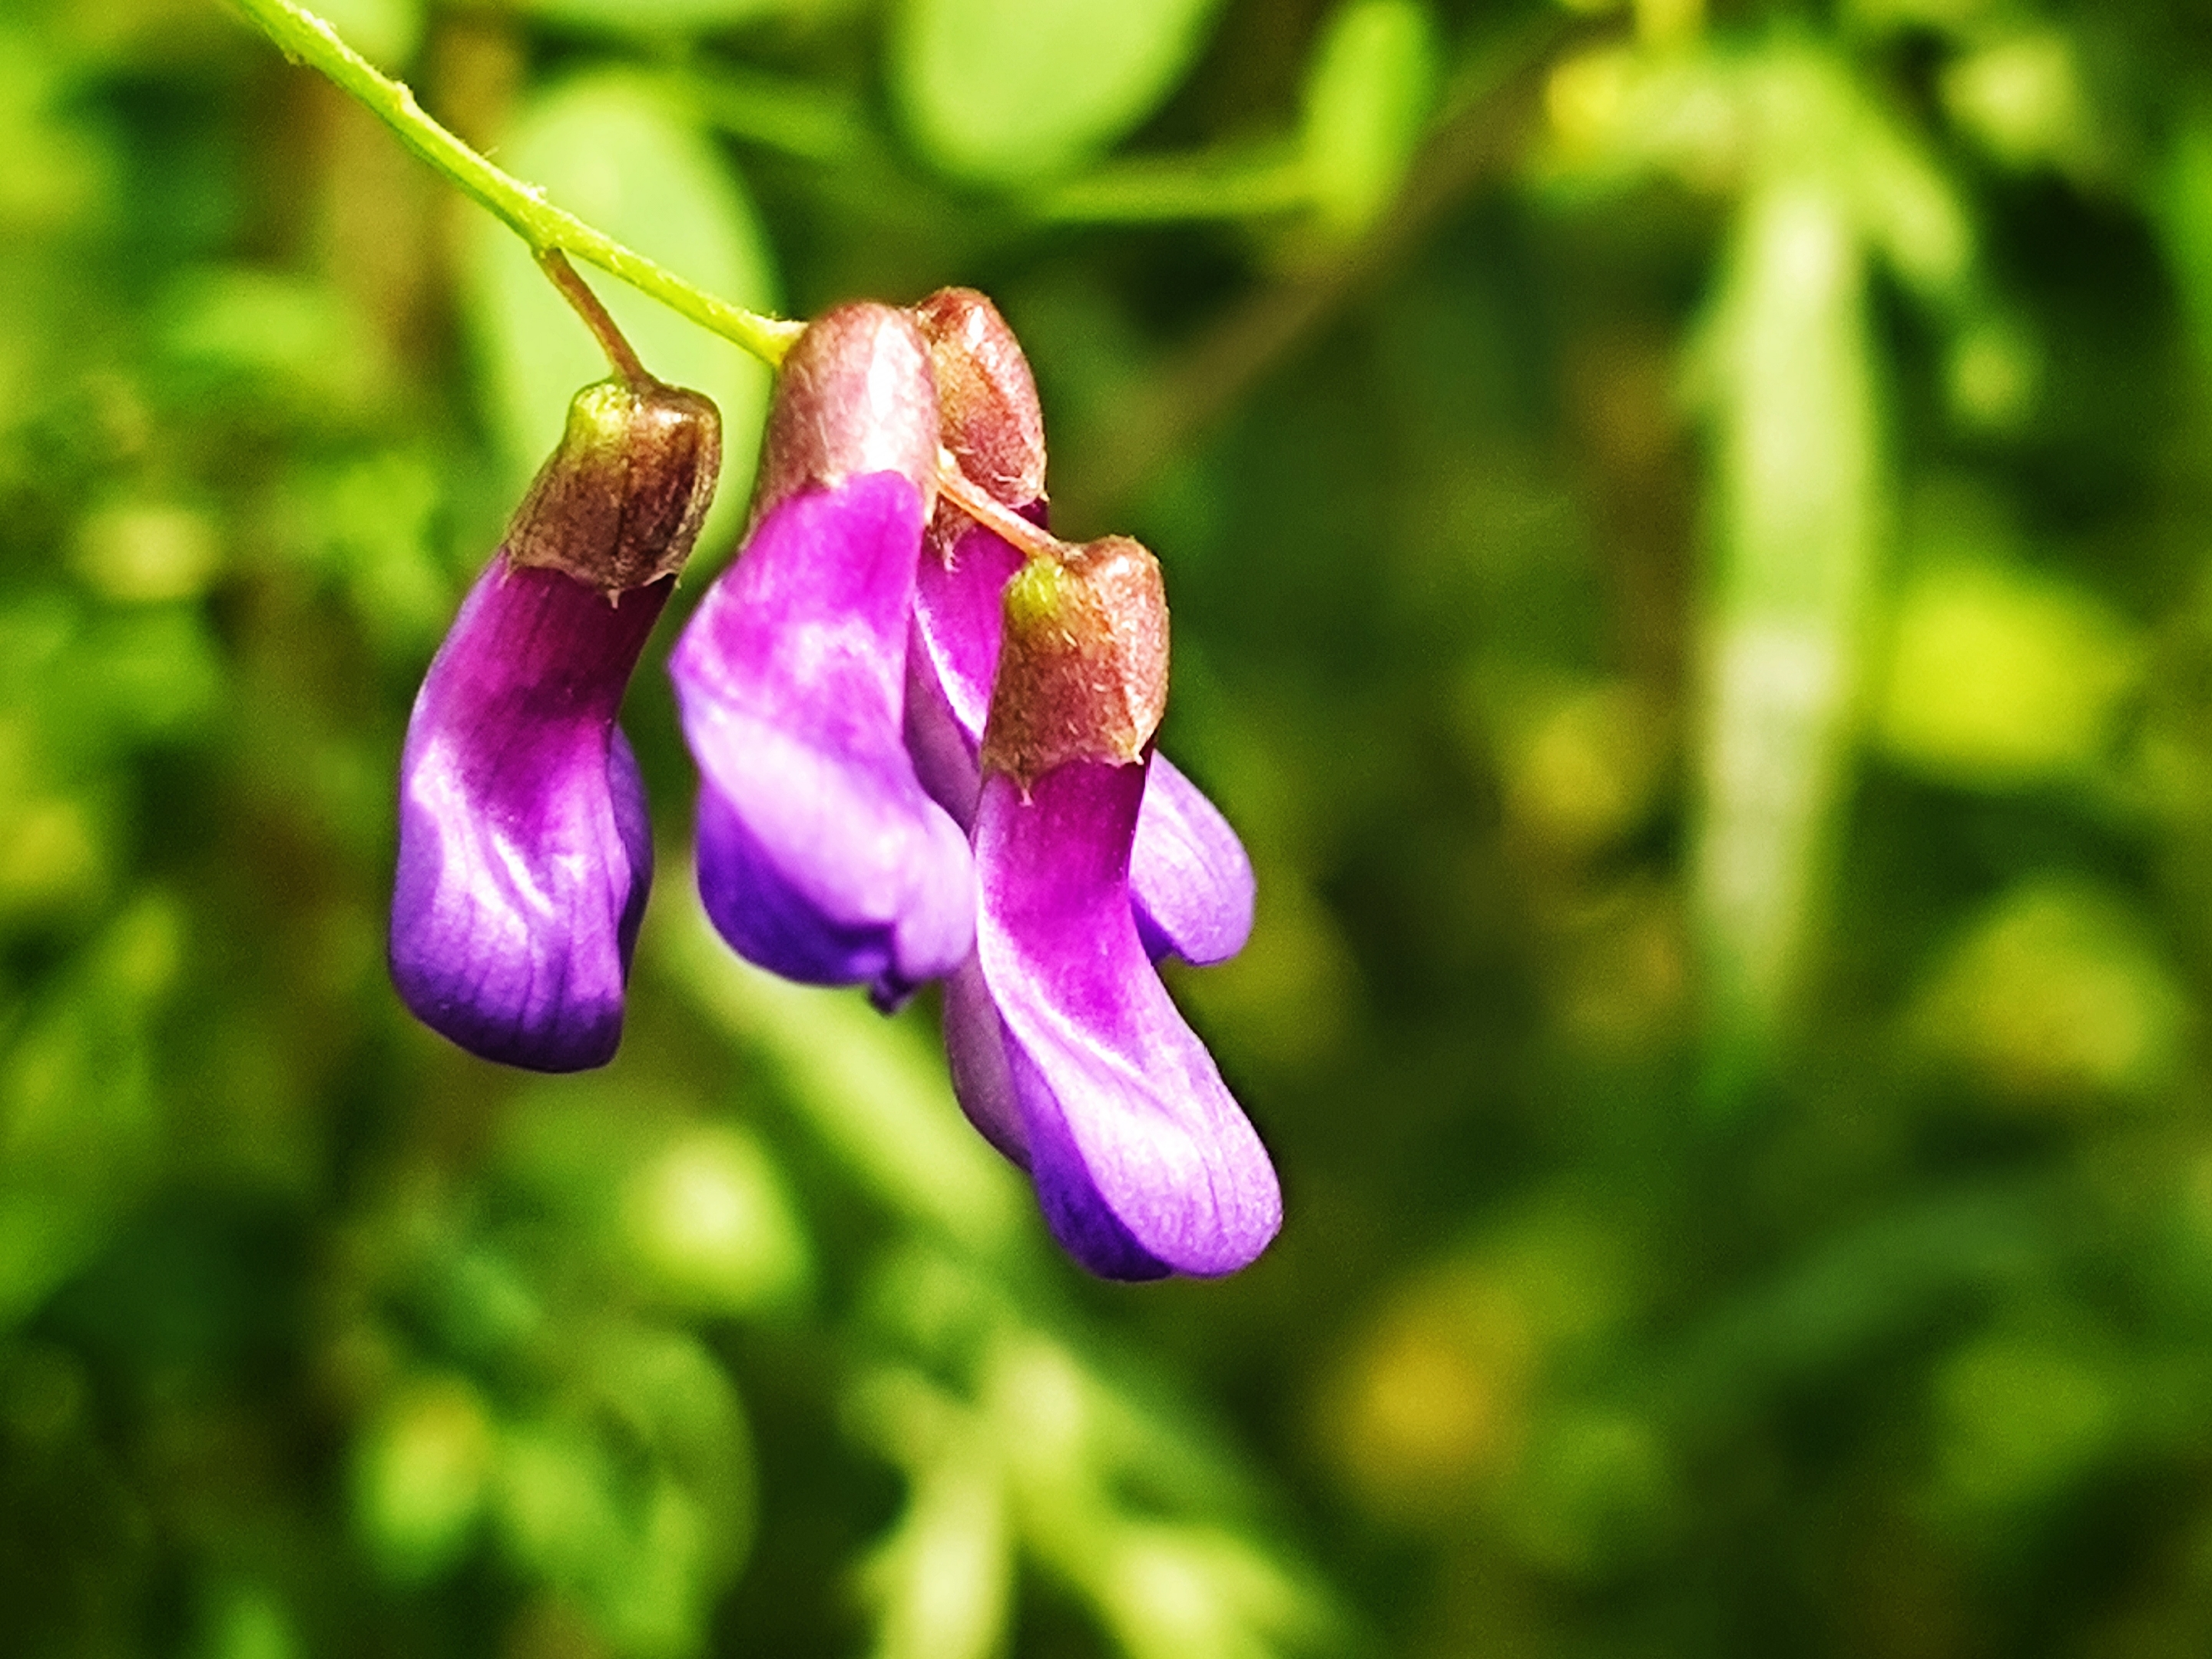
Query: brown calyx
{"x": 988, "y": 414}
{"x": 1083, "y": 665}
{"x": 854, "y": 395}
{"x": 989, "y": 419}
{"x": 620, "y": 502}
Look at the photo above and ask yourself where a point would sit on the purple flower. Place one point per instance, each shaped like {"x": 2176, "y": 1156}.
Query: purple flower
{"x": 820, "y": 855}
{"x": 525, "y": 857}
{"x": 1065, "y": 1050}
{"x": 1191, "y": 881}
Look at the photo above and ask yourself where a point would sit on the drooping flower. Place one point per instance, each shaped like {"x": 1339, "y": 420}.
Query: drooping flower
{"x": 1065, "y": 1048}
{"x": 1191, "y": 881}
{"x": 820, "y": 855}
{"x": 525, "y": 857}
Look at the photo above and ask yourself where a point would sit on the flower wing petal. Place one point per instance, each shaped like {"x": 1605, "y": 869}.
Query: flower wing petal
{"x": 1190, "y": 879}
{"x": 976, "y": 1055}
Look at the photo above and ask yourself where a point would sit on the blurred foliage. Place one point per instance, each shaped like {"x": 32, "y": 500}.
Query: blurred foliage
{"x": 1690, "y": 535}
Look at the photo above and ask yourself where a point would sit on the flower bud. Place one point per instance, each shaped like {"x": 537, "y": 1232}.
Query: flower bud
{"x": 1083, "y": 667}
{"x": 854, "y": 398}
{"x": 820, "y": 855}
{"x": 620, "y": 503}
{"x": 990, "y": 418}
{"x": 1190, "y": 881}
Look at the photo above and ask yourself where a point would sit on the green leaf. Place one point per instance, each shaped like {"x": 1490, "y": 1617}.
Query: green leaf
{"x": 422, "y": 1474}
{"x": 368, "y": 523}
{"x": 2021, "y": 98}
{"x": 636, "y": 1497}
{"x": 269, "y": 351}
{"x": 870, "y": 1088}
{"x": 942, "y": 1584}
{"x": 2054, "y": 998}
{"x": 146, "y": 551}
{"x": 80, "y": 1116}
{"x": 696, "y": 1215}
{"x": 61, "y": 173}
{"x": 248, "y": 1621}
{"x": 2020, "y": 1418}
{"x": 1169, "y": 1591}
{"x": 2000, "y": 678}
{"x": 709, "y": 1222}
{"x": 1592, "y": 1494}
{"x": 607, "y": 149}
{"x": 1368, "y": 94}
{"x": 151, "y": 675}
{"x": 1011, "y": 91}
{"x": 1238, "y": 182}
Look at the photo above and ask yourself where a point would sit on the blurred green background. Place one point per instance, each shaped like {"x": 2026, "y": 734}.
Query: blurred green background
{"x": 1691, "y": 543}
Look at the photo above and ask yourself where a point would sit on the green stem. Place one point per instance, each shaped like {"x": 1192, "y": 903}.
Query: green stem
{"x": 306, "y": 38}
{"x": 578, "y": 293}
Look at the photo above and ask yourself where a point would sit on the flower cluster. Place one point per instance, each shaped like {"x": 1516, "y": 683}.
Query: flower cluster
{"x": 924, "y": 733}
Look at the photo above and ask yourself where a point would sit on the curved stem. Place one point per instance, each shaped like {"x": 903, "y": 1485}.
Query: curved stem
{"x": 306, "y": 38}
{"x": 1031, "y": 541}
{"x": 585, "y": 304}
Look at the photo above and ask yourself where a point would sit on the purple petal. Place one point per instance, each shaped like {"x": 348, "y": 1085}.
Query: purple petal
{"x": 1143, "y": 1163}
{"x": 975, "y": 1055}
{"x": 1189, "y": 878}
{"x": 820, "y": 856}
{"x": 524, "y": 857}
{"x": 944, "y": 755}
{"x": 954, "y": 657}
{"x": 959, "y": 601}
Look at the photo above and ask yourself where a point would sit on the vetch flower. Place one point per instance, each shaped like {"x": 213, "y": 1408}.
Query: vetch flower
{"x": 820, "y": 855}
{"x": 1065, "y": 1048}
{"x": 1191, "y": 881}
{"x": 525, "y": 857}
